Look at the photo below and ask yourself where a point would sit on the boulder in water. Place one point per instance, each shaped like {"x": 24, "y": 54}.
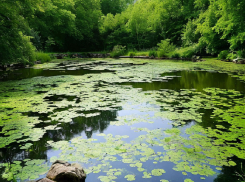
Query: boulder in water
{"x": 44, "y": 180}
{"x": 62, "y": 171}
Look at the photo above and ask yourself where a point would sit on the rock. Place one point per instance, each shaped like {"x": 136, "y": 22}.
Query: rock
{"x": 194, "y": 58}
{"x": 59, "y": 56}
{"x": 142, "y": 57}
{"x": 197, "y": 59}
{"x": 125, "y": 57}
{"x": 62, "y": 171}
{"x": 101, "y": 56}
{"x": 239, "y": 61}
{"x": 44, "y": 180}
{"x": 61, "y": 162}
{"x": 152, "y": 57}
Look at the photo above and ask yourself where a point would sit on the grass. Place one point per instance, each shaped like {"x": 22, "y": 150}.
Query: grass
{"x": 138, "y": 53}
{"x": 43, "y": 57}
{"x": 186, "y": 52}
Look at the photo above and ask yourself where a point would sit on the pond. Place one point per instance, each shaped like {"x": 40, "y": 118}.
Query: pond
{"x": 123, "y": 120}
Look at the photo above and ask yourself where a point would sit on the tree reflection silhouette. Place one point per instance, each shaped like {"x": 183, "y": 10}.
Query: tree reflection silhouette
{"x": 68, "y": 131}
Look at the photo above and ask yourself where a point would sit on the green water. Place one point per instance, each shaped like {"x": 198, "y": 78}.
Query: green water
{"x": 135, "y": 120}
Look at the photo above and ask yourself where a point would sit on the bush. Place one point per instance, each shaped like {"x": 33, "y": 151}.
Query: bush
{"x": 187, "y": 52}
{"x": 241, "y": 54}
{"x": 175, "y": 55}
{"x": 152, "y": 53}
{"x": 132, "y": 54}
{"x": 231, "y": 56}
{"x": 165, "y": 47}
{"x": 223, "y": 54}
{"x": 43, "y": 57}
{"x": 118, "y": 50}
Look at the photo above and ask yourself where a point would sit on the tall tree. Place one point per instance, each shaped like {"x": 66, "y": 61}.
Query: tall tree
{"x": 15, "y": 45}
{"x": 114, "y": 6}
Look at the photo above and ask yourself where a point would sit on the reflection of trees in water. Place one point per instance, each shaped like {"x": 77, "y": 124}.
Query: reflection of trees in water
{"x": 78, "y": 125}
{"x": 228, "y": 174}
{"x": 14, "y": 153}
{"x": 68, "y": 131}
{"x": 192, "y": 79}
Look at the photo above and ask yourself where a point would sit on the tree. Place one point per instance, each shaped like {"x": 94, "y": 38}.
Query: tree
{"x": 115, "y": 6}
{"x": 15, "y": 45}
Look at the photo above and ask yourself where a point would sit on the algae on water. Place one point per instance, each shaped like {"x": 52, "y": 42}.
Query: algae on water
{"x": 206, "y": 124}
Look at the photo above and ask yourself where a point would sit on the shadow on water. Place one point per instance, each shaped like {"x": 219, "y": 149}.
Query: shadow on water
{"x": 79, "y": 126}
{"x": 233, "y": 173}
{"x": 31, "y": 72}
{"x": 192, "y": 80}
{"x": 68, "y": 68}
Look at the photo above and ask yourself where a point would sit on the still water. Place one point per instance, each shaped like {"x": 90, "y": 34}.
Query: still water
{"x": 147, "y": 123}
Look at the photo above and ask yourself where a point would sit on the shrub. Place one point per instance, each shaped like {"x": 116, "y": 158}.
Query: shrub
{"x": 241, "y": 54}
{"x": 52, "y": 56}
{"x": 118, "y": 50}
{"x": 175, "y": 55}
{"x": 43, "y": 57}
{"x": 165, "y": 47}
{"x": 152, "y": 53}
{"x": 132, "y": 54}
{"x": 187, "y": 52}
{"x": 28, "y": 51}
{"x": 231, "y": 56}
{"x": 21, "y": 49}
{"x": 223, "y": 54}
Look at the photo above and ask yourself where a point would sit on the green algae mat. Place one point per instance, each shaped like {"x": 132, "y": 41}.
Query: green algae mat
{"x": 125, "y": 120}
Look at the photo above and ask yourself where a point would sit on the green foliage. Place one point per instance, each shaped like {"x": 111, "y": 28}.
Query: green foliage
{"x": 118, "y": 50}
{"x": 231, "y": 56}
{"x": 48, "y": 43}
{"x": 153, "y": 53}
{"x": 114, "y": 7}
{"x": 241, "y": 53}
{"x": 187, "y": 52}
{"x": 165, "y": 47}
{"x": 43, "y": 57}
{"x": 50, "y": 25}
{"x": 132, "y": 54}
{"x": 189, "y": 36}
{"x": 15, "y": 45}
{"x": 76, "y": 25}
{"x": 142, "y": 53}
{"x": 175, "y": 55}
{"x": 27, "y": 50}
{"x": 223, "y": 54}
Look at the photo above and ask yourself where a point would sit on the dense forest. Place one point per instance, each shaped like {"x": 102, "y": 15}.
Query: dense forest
{"x": 187, "y": 27}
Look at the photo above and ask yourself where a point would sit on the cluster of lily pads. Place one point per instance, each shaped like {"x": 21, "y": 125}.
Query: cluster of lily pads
{"x": 202, "y": 148}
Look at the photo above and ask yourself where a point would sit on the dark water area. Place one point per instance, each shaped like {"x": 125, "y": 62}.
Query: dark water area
{"x": 88, "y": 127}
{"x": 192, "y": 80}
{"x": 25, "y": 73}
